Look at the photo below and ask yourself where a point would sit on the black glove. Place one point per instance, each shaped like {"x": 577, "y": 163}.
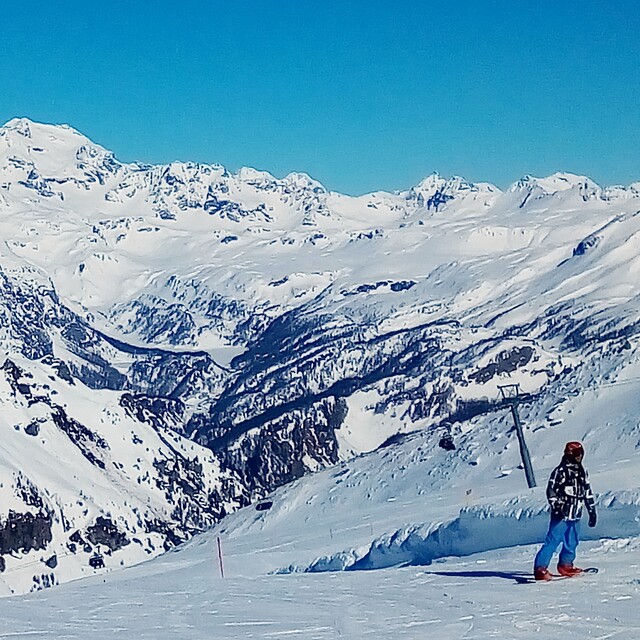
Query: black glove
{"x": 593, "y": 518}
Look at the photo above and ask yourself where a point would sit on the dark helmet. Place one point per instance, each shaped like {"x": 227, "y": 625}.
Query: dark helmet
{"x": 573, "y": 450}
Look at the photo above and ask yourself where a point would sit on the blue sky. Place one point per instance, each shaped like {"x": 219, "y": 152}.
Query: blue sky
{"x": 360, "y": 95}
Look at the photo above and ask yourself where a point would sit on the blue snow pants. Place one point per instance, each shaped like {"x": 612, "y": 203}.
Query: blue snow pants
{"x": 562, "y": 531}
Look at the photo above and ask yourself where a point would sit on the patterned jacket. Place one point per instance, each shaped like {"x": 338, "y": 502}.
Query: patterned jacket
{"x": 568, "y": 488}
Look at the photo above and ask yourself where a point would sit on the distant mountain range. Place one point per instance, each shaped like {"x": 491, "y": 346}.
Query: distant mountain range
{"x": 178, "y": 341}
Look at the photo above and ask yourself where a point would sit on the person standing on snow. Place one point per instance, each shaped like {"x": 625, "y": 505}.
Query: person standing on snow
{"x": 568, "y": 488}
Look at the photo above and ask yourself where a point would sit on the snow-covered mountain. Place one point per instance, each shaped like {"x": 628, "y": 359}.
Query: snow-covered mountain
{"x": 179, "y": 340}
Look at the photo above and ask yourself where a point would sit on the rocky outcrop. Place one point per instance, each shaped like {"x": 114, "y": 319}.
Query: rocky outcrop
{"x": 104, "y": 532}
{"x": 23, "y": 532}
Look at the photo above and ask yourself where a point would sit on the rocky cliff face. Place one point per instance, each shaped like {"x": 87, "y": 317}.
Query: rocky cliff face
{"x": 178, "y": 341}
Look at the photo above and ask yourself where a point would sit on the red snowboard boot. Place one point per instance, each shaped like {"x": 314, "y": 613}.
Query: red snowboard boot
{"x": 542, "y": 573}
{"x": 568, "y": 570}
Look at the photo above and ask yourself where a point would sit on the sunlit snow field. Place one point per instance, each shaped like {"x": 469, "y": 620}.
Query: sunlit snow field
{"x": 449, "y": 557}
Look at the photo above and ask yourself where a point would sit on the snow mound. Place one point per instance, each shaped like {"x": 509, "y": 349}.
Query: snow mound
{"x": 476, "y": 530}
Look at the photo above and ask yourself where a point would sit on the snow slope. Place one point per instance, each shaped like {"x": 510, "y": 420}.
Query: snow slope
{"x": 434, "y": 545}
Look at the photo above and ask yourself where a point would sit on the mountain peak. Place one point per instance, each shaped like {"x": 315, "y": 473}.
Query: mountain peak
{"x": 35, "y": 130}
{"x": 430, "y": 182}
{"x": 304, "y": 181}
{"x": 21, "y": 126}
{"x": 435, "y": 182}
{"x": 52, "y": 151}
{"x": 558, "y": 181}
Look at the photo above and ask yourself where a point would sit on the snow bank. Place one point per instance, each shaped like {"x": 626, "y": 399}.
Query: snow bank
{"x": 476, "y": 530}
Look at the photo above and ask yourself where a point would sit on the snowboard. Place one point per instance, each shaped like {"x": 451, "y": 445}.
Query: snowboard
{"x": 532, "y": 580}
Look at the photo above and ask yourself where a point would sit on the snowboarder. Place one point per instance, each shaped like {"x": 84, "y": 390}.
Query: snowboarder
{"x": 568, "y": 488}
